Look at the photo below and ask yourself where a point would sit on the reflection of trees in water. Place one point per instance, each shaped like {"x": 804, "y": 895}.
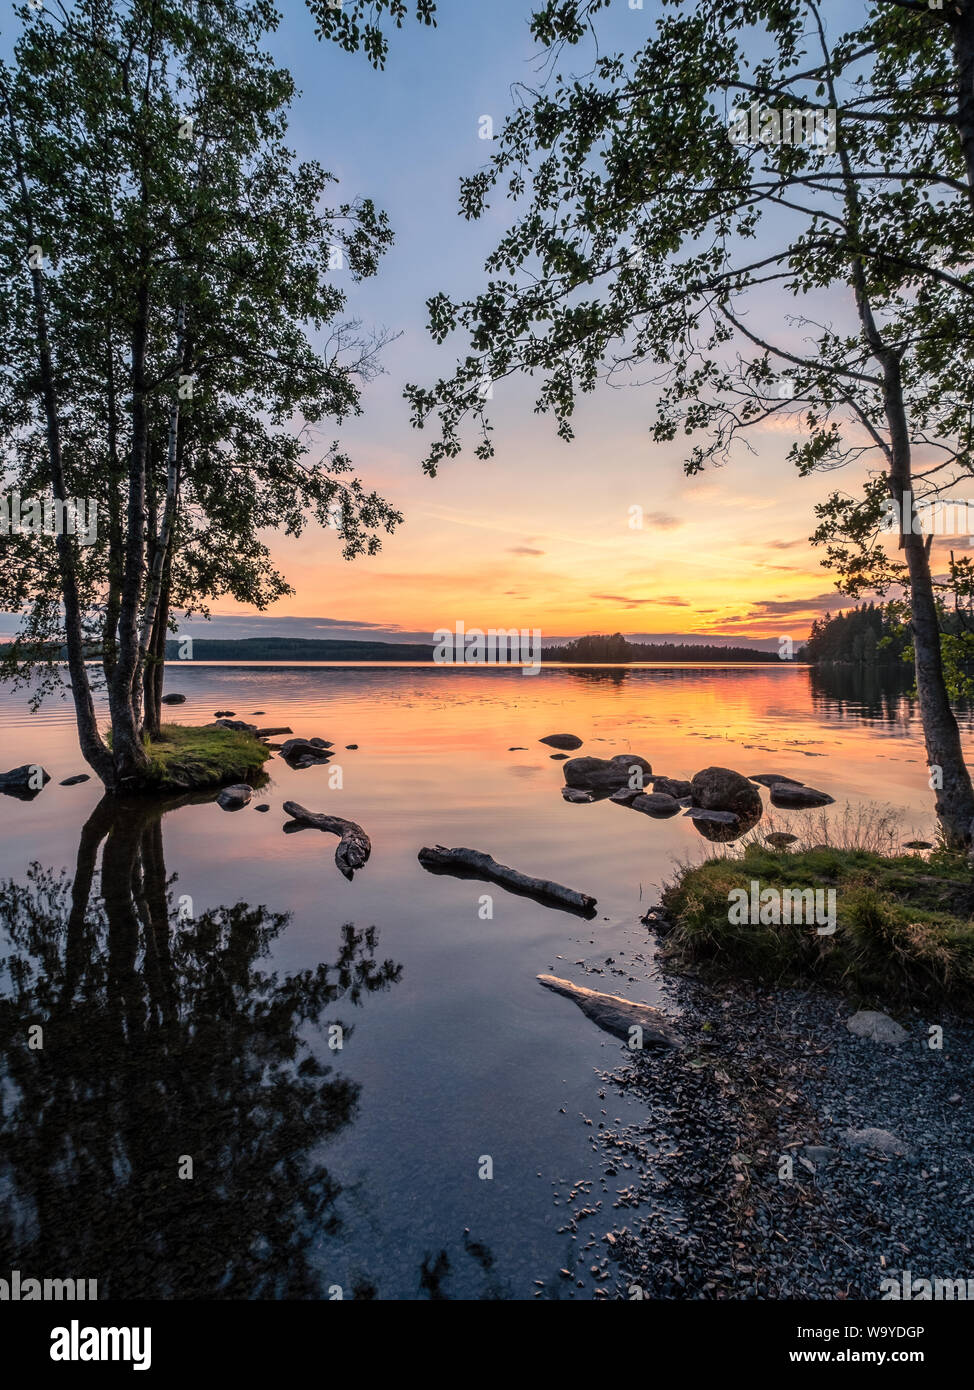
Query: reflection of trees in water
{"x": 162, "y": 1038}
{"x": 869, "y": 693}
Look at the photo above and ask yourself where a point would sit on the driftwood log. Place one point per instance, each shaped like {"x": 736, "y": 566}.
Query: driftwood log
{"x": 639, "y": 1024}
{"x": 473, "y": 863}
{"x": 354, "y": 846}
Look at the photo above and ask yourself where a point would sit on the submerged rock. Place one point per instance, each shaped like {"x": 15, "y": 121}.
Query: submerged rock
{"x": 870, "y": 1023}
{"x": 224, "y": 714}
{"x": 917, "y": 844}
{"x": 672, "y": 786}
{"x": 617, "y": 1015}
{"x": 792, "y": 795}
{"x": 73, "y": 781}
{"x": 262, "y": 807}
{"x": 236, "y": 797}
{"x": 712, "y": 817}
{"x": 607, "y": 774}
{"x": 771, "y": 779}
{"x": 576, "y": 794}
{"x": 567, "y": 741}
{"x": 625, "y": 796}
{"x": 655, "y": 804}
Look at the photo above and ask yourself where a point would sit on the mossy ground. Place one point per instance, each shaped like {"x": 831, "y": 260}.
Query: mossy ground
{"x": 188, "y": 757}
{"x": 904, "y": 925}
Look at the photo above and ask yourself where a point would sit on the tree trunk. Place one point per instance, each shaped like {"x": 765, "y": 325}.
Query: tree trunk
{"x": 125, "y": 689}
{"x": 93, "y": 749}
{"x": 961, "y": 20}
{"x": 945, "y": 755}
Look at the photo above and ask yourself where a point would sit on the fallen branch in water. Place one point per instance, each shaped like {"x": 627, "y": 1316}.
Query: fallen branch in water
{"x": 354, "y": 846}
{"x": 473, "y": 863}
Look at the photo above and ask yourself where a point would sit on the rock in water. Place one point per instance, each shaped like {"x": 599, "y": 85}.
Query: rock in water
{"x": 566, "y": 741}
{"x": 720, "y": 789}
{"x": 262, "y": 807}
{"x": 789, "y": 796}
{"x": 617, "y": 1015}
{"x": 575, "y": 794}
{"x": 870, "y": 1023}
{"x": 780, "y": 839}
{"x": 234, "y": 724}
{"x": 74, "y": 781}
{"x": 236, "y": 797}
{"x": 224, "y": 714}
{"x": 655, "y": 804}
{"x": 625, "y": 796}
{"x": 770, "y": 779}
{"x": 21, "y": 782}
{"x": 672, "y": 786}
{"x": 607, "y": 775}
{"x": 174, "y": 699}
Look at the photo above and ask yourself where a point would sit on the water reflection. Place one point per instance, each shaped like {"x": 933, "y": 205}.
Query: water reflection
{"x": 163, "y": 1040}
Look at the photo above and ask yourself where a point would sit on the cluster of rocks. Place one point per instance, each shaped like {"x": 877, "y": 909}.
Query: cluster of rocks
{"x": 723, "y": 804}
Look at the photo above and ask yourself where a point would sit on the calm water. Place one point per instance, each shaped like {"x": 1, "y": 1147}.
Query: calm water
{"x": 186, "y": 969}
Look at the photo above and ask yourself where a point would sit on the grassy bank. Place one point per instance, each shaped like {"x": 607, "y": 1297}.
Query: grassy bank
{"x": 186, "y": 757}
{"x": 904, "y": 925}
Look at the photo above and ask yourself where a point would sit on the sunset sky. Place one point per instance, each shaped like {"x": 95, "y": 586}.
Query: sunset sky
{"x": 540, "y": 537}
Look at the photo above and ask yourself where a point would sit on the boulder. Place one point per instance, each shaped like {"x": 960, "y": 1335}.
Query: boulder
{"x": 566, "y": 741}
{"x": 672, "y": 786}
{"x": 720, "y": 789}
{"x": 655, "y": 804}
{"x": 174, "y": 699}
{"x": 617, "y": 1015}
{"x": 236, "y": 797}
{"x": 625, "y": 796}
{"x": 301, "y": 752}
{"x": 320, "y": 743}
{"x": 23, "y": 779}
{"x": 601, "y": 774}
{"x": 794, "y": 796}
{"x": 234, "y": 724}
{"x": 73, "y": 781}
{"x": 770, "y": 779}
{"x": 870, "y": 1023}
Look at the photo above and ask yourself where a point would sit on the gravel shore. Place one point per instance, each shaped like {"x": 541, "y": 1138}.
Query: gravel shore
{"x": 744, "y": 1183}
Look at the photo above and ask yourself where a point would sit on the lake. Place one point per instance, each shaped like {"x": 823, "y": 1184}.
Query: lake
{"x": 186, "y": 1123}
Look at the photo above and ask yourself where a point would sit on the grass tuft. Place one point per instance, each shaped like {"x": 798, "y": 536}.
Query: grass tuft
{"x": 185, "y": 757}
{"x": 904, "y": 925}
